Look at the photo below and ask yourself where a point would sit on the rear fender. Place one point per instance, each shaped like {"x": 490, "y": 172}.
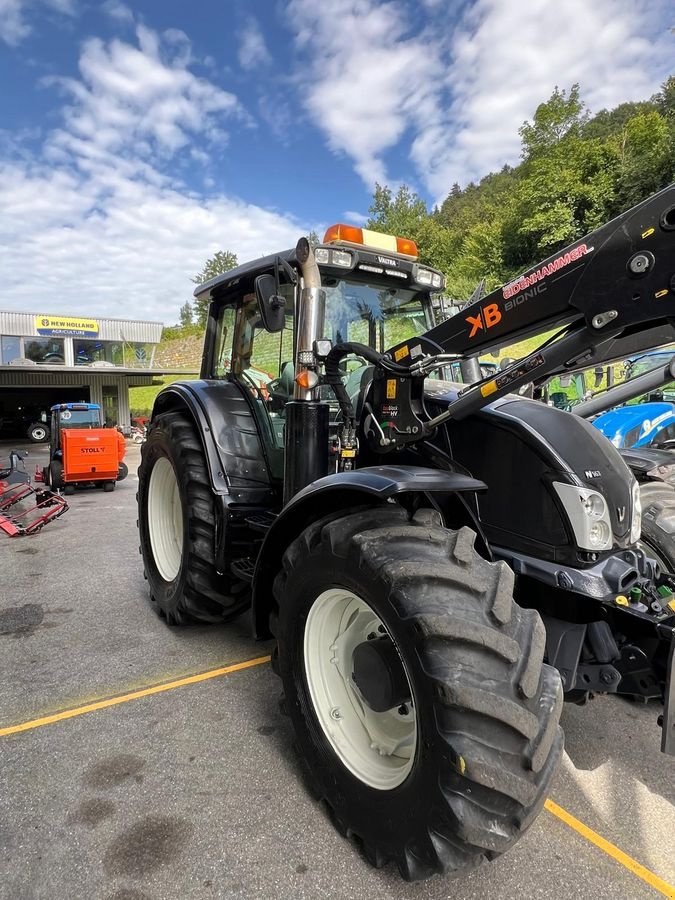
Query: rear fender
{"x": 234, "y": 453}
{"x": 370, "y": 486}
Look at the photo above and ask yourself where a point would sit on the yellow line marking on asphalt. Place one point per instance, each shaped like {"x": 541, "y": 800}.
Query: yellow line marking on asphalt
{"x": 133, "y": 695}
{"x": 668, "y": 890}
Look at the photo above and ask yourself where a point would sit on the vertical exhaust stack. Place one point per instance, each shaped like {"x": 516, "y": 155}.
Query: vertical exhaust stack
{"x": 306, "y": 431}
{"x": 311, "y": 315}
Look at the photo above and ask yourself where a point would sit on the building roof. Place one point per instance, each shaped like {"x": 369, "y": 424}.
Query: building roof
{"x": 24, "y": 324}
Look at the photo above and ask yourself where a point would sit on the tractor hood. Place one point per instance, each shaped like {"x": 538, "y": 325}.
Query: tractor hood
{"x": 541, "y": 447}
{"x": 635, "y": 426}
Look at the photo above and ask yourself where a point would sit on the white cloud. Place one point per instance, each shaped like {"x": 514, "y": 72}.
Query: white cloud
{"x": 253, "y": 50}
{"x": 13, "y": 28}
{"x": 118, "y": 11}
{"x": 369, "y": 80}
{"x": 453, "y": 94}
{"x": 122, "y": 248}
{"x": 507, "y": 58}
{"x": 96, "y": 222}
{"x": 141, "y": 99}
{"x": 13, "y": 25}
{"x": 355, "y": 218}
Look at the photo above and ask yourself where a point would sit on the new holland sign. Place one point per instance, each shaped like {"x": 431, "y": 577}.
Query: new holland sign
{"x": 66, "y": 325}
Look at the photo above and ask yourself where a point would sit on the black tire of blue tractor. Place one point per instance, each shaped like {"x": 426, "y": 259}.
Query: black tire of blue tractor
{"x": 55, "y": 475}
{"x": 198, "y": 593}
{"x": 658, "y": 522}
{"x": 122, "y": 472}
{"x": 487, "y": 706}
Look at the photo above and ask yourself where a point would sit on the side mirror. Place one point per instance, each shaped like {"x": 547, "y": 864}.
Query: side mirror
{"x": 270, "y": 303}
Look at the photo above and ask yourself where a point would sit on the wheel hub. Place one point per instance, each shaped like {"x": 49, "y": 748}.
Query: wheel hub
{"x": 379, "y": 674}
{"x": 360, "y": 694}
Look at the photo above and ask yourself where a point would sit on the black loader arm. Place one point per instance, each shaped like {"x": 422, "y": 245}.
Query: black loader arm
{"x": 624, "y": 272}
{"x": 602, "y": 293}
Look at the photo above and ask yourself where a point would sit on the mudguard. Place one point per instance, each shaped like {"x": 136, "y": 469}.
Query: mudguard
{"x": 235, "y": 455}
{"x": 645, "y": 460}
{"x": 345, "y": 490}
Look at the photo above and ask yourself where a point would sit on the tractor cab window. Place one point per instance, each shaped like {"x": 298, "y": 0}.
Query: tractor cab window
{"x": 665, "y": 438}
{"x": 374, "y": 314}
{"x": 79, "y": 418}
{"x": 378, "y": 315}
{"x": 260, "y": 361}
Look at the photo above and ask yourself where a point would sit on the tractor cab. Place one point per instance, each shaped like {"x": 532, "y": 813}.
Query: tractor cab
{"x": 73, "y": 415}
{"x": 377, "y": 294}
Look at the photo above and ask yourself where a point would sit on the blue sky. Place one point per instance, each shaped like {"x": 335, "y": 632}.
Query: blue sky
{"x": 138, "y": 138}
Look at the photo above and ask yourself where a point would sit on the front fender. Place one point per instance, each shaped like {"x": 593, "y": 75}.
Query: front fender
{"x": 331, "y": 495}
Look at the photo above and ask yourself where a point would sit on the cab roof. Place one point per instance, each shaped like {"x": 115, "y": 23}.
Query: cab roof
{"x": 58, "y": 406}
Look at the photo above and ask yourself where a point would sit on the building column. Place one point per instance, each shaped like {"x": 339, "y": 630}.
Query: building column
{"x": 123, "y": 401}
{"x": 96, "y": 391}
{"x": 68, "y": 352}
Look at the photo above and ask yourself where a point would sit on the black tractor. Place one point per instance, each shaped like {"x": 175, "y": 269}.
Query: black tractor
{"x": 439, "y": 564}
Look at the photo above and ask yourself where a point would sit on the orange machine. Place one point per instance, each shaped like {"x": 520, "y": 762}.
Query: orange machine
{"x": 82, "y": 451}
{"x": 89, "y": 455}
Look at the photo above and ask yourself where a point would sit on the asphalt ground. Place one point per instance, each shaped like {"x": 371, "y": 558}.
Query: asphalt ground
{"x": 194, "y": 790}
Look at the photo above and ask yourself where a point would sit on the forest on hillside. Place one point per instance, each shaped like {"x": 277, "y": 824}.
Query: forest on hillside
{"x": 578, "y": 171}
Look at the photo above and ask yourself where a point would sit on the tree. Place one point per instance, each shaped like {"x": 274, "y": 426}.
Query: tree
{"x": 559, "y": 116}
{"x": 666, "y": 99}
{"x": 647, "y": 158}
{"x": 186, "y": 314}
{"x": 221, "y": 262}
{"x": 401, "y": 215}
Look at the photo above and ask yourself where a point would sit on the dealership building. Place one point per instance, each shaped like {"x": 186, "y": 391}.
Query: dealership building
{"x": 47, "y": 359}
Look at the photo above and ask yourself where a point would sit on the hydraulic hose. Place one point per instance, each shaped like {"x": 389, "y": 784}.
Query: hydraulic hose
{"x": 334, "y": 375}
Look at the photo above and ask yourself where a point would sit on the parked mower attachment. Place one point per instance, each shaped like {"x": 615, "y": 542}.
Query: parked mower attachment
{"x": 43, "y": 507}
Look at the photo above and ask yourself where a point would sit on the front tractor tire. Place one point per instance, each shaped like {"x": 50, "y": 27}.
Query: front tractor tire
{"x": 177, "y": 526}
{"x": 658, "y": 523}
{"x": 424, "y": 714}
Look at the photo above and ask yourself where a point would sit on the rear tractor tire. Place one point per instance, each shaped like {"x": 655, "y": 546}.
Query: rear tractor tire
{"x": 658, "y": 523}
{"x": 424, "y": 714}
{"x": 177, "y": 521}
{"x": 123, "y": 471}
{"x": 55, "y": 475}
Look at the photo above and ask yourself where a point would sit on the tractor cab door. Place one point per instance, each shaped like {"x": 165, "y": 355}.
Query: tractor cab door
{"x": 55, "y": 433}
{"x": 261, "y": 363}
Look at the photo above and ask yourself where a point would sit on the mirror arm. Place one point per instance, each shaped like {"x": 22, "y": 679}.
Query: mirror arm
{"x": 290, "y": 272}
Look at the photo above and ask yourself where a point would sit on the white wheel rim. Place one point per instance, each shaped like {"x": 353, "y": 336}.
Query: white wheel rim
{"x": 378, "y": 748}
{"x": 165, "y": 519}
{"x": 39, "y": 434}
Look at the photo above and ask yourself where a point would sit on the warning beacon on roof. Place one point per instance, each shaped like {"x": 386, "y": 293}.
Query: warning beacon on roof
{"x": 66, "y": 325}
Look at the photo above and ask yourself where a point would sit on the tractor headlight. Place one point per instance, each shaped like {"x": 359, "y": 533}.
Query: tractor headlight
{"x": 428, "y": 277}
{"x": 325, "y": 256}
{"x": 636, "y": 521}
{"x": 588, "y": 515}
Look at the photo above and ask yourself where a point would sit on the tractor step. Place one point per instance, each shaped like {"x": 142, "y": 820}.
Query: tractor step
{"x": 261, "y": 522}
{"x": 243, "y": 568}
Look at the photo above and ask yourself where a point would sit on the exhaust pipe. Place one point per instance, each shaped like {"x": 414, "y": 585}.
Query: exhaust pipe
{"x": 306, "y": 428}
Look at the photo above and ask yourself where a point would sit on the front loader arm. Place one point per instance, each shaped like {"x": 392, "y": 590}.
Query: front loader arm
{"x": 619, "y": 278}
{"x": 601, "y": 292}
